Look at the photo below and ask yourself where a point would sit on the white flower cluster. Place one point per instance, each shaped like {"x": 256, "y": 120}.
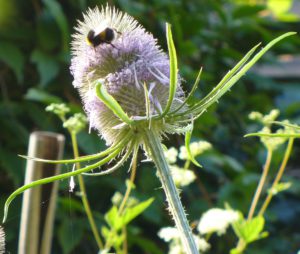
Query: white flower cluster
{"x": 118, "y": 197}
{"x": 196, "y": 148}
{"x": 271, "y": 143}
{"x": 171, "y": 155}
{"x": 182, "y": 177}
{"x": 171, "y": 235}
{"x": 217, "y": 220}
{"x": 264, "y": 119}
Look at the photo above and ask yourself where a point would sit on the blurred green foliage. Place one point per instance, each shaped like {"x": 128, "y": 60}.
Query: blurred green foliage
{"x": 34, "y": 71}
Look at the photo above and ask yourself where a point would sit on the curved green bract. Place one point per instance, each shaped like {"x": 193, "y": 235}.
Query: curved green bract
{"x": 111, "y": 103}
{"x": 115, "y": 167}
{"x": 82, "y": 158}
{"x": 223, "y": 86}
{"x": 273, "y": 135}
{"x": 173, "y": 70}
{"x": 191, "y": 157}
{"x": 55, "y": 178}
{"x": 231, "y": 78}
{"x": 147, "y": 101}
{"x": 191, "y": 92}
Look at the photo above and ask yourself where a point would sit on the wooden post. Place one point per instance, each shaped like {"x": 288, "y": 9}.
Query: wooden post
{"x": 2, "y": 241}
{"x": 38, "y": 208}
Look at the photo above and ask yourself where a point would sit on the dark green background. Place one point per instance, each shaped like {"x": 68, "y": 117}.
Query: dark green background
{"x": 34, "y": 71}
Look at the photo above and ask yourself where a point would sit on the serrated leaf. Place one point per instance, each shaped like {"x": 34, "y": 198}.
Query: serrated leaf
{"x": 135, "y": 211}
{"x": 117, "y": 221}
{"x": 112, "y": 218}
{"x": 13, "y": 57}
{"x": 250, "y": 230}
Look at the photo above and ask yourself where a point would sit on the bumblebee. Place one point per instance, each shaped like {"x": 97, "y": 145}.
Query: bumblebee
{"x": 105, "y": 36}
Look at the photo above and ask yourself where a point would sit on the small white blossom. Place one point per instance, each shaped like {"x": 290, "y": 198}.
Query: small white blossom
{"x": 272, "y": 143}
{"x": 217, "y": 220}
{"x": 254, "y": 115}
{"x": 168, "y": 233}
{"x": 117, "y": 198}
{"x": 202, "y": 245}
{"x": 264, "y": 119}
{"x": 274, "y": 113}
{"x": 176, "y": 249}
{"x": 171, "y": 155}
{"x": 171, "y": 235}
{"x": 197, "y": 148}
{"x": 182, "y": 177}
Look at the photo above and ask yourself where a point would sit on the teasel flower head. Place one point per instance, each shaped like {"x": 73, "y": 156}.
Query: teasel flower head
{"x": 128, "y": 84}
{"x": 132, "y": 69}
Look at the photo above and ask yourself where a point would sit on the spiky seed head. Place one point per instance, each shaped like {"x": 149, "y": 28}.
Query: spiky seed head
{"x": 132, "y": 60}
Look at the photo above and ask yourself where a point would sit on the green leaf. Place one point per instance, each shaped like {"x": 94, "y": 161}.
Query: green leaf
{"x": 12, "y": 165}
{"x": 279, "y": 188}
{"x": 191, "y": 157}
{"x": 279, "y": 7}
{"x": 47, "y": 66}
{"x": 173, "y": 70}
{"x": 13, "y": 57}
{"x": 55, "y": 9}
{"x": 105, "y": 232}
{"x": 250, "y": 230}
{"x": 117, "y": 221}
{"x": 39, "y": 95}
{"x": 135, "y": 211}
{"x": 113, "y": 219}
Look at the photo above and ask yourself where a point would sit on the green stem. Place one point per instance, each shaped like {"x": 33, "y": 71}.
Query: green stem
{"x": 84, "y": 199}
{"x": 278, "y": 176}
{"x": 152, "y": 143}
{"x": 132, "y": 178}
{"x": 261, "y": 184}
